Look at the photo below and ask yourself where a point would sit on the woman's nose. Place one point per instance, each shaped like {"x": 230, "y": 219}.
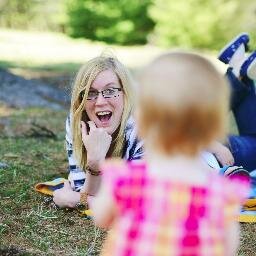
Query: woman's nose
{"x": 100, "y": 100}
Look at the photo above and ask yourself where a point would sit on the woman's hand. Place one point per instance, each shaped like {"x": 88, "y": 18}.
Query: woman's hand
{"x": 97, "y": 142}
{"x": 222, "y": 153}
{"x": 66, "y": 197}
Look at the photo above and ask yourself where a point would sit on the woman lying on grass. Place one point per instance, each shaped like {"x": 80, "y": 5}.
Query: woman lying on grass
{"x": 101, "y": 125}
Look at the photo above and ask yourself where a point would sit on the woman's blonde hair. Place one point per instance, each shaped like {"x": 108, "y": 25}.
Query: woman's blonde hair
{"x": 82, "y": 83}
{"x": 183, "y": 104}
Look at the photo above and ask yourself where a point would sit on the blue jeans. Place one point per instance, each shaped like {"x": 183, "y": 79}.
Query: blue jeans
{"x": 243, "y": 105}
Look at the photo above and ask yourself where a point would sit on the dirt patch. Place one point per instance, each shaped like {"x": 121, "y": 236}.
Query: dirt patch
{"x": 12, "y": 251}
{"x": 18, "y": 92}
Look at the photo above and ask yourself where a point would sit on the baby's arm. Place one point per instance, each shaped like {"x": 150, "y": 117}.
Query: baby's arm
{"x": 232, "y": 238}
{"x": 236, "y": 191}
{"x": 103, "y": 207}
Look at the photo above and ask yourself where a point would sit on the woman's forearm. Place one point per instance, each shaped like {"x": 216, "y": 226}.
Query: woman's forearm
{"x": 92, "y": 183}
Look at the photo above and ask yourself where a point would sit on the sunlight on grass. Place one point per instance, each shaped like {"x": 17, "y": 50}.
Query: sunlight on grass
{"x": 28, "y": 49}
{"x": 56, "y": 51}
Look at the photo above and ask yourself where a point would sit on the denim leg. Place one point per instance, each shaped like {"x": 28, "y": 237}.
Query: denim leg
{"x": 243, "y": 149}
{"x": 243, "y": 103}
{"x": 238, "y": 90}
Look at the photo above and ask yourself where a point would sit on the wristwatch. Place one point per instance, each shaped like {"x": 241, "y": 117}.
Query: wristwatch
{"x": 82, "y": 205}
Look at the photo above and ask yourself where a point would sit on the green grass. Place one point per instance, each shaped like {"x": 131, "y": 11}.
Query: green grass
{"x": 28, "y": 223}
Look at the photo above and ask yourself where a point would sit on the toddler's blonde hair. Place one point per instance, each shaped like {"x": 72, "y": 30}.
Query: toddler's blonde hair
{"x": 183, "y": 103}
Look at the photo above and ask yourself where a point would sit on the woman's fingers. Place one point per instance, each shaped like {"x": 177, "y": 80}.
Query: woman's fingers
{"x": 66, "y": 184}
{"x": 92, "y": 125}
{"x": 96, "y": 141}
{"x": 66, "y": 197}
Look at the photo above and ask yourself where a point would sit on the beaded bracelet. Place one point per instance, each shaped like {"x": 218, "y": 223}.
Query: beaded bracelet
{"x": 83, "y": 198}
{"x": 83, "y": 203}
{"x": 92, "y": 172}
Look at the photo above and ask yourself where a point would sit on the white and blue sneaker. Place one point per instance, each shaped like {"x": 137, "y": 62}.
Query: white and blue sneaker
{"x": 248, "y": 68}
{"x": 229, "y": 50}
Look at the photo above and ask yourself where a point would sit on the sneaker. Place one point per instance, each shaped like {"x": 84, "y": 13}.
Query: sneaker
{"x": 248, "y": 68}
{"x": 228, "y": 50}
{"x": 234, "y": 171}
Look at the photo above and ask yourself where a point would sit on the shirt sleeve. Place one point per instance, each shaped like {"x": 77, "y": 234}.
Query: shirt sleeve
{"x": 137, "y": 151}
{"x": 133, "y": 149}
{"x": 75, "y": 172}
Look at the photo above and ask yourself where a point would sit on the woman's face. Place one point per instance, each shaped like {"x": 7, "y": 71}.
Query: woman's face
{"x": 105, "y": 112}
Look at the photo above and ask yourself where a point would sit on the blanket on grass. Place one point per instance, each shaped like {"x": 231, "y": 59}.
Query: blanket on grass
{"x": 48, "y": 187}
{"x": 247, "y": 213}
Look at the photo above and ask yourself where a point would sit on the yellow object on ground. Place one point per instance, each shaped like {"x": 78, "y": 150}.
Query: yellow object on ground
{"x": 48, "y": 187}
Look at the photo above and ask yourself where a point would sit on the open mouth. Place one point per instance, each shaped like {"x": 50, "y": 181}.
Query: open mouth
{"x": 104, "y": 116}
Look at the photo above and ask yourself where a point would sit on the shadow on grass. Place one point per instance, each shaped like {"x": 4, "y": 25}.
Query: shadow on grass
{"x": 13, "y": 251}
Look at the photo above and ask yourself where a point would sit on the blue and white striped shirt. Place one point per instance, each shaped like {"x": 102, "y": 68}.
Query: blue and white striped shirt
{"x": 133, "y": 150}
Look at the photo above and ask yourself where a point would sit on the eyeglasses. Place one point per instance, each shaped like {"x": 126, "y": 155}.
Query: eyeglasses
{"x": 107, "y": 93}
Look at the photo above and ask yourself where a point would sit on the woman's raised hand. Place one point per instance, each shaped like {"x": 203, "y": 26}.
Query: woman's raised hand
{"x": 97, "y": 142}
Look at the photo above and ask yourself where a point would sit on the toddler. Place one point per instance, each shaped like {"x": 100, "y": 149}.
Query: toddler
{"x": 171, "y": 204}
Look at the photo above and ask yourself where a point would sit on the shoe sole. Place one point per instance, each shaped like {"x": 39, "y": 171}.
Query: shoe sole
{"x": 227, "y": 46}
{"x": 251, "y": 70}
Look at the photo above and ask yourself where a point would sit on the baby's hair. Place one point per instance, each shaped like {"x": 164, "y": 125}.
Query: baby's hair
{"x": 183, "y": 103}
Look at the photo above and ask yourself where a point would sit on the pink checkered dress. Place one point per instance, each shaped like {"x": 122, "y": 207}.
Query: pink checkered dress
{"x": 162, "y": 217}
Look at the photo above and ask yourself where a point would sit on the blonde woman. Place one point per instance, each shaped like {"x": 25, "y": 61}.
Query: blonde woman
{"x": 100, "y": 125}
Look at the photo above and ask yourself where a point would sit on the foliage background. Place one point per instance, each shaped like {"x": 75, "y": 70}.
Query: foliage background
{"x": 184, "y": 23}
{"x": 199, "y": 23}
{"x": 125, "y": 23}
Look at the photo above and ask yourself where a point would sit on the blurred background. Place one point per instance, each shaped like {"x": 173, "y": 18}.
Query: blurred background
{"x": 61, "y": 34}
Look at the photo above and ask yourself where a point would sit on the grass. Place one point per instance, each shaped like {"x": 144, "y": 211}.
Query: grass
{"x": 29, "y": 224}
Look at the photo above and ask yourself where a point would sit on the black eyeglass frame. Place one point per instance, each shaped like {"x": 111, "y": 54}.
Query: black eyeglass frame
{"x": 102, "y": 92}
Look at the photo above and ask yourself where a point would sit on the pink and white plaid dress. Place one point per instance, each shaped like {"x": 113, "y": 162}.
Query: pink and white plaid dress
{"x": 162, "y": 217}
